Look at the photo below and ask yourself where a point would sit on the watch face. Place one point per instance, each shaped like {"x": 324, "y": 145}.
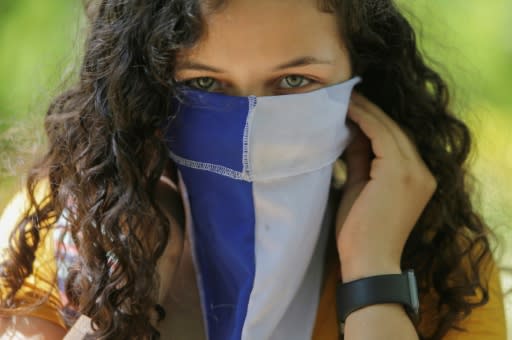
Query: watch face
{"x": 413, "y": 290}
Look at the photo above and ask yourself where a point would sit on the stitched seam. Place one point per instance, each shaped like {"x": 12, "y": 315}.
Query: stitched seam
{"x": 245, "y": 156}
{"x": 217, "y": 169}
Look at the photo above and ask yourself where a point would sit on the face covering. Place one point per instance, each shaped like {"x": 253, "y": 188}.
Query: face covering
{"x": 255, "y": 174}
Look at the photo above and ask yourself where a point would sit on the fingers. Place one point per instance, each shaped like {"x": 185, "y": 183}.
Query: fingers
{"x": 402, "y": 141}
{"x": 381, "y": 139}
{"x": 389, "y": 141}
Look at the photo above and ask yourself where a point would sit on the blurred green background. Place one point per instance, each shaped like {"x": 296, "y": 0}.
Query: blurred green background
{"x": 469, "y": 41}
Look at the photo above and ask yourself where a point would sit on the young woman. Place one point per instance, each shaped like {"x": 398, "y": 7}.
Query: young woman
{"x": 120, "y": 222}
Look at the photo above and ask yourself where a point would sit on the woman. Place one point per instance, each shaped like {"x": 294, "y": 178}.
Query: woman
{"x": 107, "y": 181}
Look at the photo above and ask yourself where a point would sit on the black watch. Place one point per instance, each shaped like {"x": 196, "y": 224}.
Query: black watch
{"x": 389, "y": 288}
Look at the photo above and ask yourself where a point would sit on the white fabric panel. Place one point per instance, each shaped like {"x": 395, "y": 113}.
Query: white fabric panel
{"x": 303, "y": 308}
{"x": 307, "y": 135}
{"x": 289, "y": 214}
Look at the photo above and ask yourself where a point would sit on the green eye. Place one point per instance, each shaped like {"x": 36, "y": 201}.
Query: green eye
{"x": 201, "y": 83}
{"x": 294, "y": 81}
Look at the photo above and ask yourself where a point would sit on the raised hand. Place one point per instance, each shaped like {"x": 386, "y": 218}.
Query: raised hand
{"x": 388, "y": 186}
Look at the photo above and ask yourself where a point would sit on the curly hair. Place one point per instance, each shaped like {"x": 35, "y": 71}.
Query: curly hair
{"x": 105, "y": 154}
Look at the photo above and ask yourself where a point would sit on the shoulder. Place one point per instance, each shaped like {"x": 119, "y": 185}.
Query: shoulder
{"x": 485, "y": 321}
{"x": 28, "y": 327}
{"x": 16, "y": 209}
{"x": 41, "y": 284}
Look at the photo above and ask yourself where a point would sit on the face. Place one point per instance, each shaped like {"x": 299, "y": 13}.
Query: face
{"x": 266, "y": 47}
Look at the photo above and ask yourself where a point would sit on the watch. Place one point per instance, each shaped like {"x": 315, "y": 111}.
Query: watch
{"x": 388, "y": 288}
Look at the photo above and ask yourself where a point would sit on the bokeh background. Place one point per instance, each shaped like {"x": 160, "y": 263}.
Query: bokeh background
{"x": 469, "y": 41}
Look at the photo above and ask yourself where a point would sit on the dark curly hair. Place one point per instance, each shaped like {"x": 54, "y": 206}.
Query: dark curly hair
{"x": 105, "y": 154}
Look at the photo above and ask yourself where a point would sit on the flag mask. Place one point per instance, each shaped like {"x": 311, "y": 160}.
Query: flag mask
{"x": 255, "y": 172}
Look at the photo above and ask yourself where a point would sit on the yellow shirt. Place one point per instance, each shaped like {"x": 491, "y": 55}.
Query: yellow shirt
{"x": 484, "y": 323}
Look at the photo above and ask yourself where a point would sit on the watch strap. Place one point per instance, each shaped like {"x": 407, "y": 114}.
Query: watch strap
{"x": 379, "y": 289}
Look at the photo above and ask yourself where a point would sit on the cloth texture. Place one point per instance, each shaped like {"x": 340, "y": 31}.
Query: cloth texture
{"x": 256, "y": 172}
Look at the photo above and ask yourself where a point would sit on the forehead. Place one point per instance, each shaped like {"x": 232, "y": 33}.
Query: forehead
{"x": 266, "y": 29}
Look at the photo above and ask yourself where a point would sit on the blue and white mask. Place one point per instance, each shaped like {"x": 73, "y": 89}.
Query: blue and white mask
{"x": 255, "y": 174}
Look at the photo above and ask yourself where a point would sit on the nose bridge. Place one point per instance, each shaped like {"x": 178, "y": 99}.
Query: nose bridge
{"x": 248, "y": 90}
{"x": 246, "y": 82}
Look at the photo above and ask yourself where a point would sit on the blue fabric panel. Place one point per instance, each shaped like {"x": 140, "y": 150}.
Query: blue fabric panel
{"x": 210, "y": 113}
{"x": 224, "y": 251}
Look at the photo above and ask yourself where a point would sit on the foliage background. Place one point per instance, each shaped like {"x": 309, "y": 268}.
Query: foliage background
{"x": 470, "y": 41}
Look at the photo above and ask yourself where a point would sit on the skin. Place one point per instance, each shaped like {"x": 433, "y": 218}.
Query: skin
{"x": 29, "y": 328}
{"x": 248, "y": 52}
{"x": 371, "y": 229}
{"x": 241, "y": 56}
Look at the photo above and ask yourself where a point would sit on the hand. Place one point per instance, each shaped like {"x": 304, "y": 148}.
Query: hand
{"x": 388, "y": 186}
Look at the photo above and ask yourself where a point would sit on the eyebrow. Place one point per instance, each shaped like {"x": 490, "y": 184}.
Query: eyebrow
{"x": 301, "y": 61}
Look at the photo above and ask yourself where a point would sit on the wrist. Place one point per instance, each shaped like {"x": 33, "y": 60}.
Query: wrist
{"x": 352, "y": 270}
{"x": 380, "y": 290}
